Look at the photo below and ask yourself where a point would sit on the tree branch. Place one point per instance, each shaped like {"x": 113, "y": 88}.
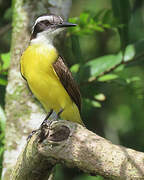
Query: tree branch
{"x": 75, "y": 146}
{"x": 114, "y": 67}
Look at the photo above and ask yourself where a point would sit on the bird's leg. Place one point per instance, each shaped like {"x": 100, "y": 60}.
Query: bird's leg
{"x": 46, "y": 118}
{"x": 46, "y": 124}
{"x": 31, "y": 134}
{"x": 59, "y": 113}
{"x": 55, "y": 118}
{"x": 43, "y": 124}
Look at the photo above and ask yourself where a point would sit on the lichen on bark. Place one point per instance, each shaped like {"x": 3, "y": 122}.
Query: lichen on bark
{"x": 73, "y": 145}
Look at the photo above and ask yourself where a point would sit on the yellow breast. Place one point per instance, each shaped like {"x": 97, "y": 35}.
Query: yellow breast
{"x": 37, "y": 68}
{"x": 37, "y": 58}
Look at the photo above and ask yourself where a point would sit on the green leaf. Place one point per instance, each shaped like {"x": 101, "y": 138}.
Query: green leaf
{"x": 100, "y": 97}
{"x": 74, "y": 68}
{"x": 133, "y": 79}
{"x": 87, "y": 24}
{"x": 5, "y": 60}
{"x": 108, "y": 77}
{"x": 98, "y": 66}
{"x": 1, "y": 151}
{"x": 3, "y": 81}
{"x": 92, "y": 103}
{"x": 134, "y": 51}
{"x": 119, "y": 68}
{"x": 129, "y": 53}
{"x": 96, "y": 104}
{"x": 84, "y": 18}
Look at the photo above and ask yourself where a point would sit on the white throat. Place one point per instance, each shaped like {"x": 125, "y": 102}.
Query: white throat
{"x": 43, "y": 38}
{"x": 46, "y": 37}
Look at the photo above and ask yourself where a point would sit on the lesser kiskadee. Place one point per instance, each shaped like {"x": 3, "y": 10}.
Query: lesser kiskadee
{"x": 45, "y": 72}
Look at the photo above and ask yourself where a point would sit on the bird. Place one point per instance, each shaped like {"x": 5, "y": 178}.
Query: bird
{"x": 46, "y": 72}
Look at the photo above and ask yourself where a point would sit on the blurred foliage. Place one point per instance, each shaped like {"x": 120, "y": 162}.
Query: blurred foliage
{"x": 106, "y": 55}
{"x": 89, "y": 22}
{"x": 2, "y": 132}
{"x": 122, "y": 13}
{"x": 5, "y": 34}
{"x": 4, "y": 65}
{"x": 73, "y": 174}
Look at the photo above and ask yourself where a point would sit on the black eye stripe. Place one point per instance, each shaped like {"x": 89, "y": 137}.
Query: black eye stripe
{"x": 45, "y": 22}
{"x": 42, "y": 24}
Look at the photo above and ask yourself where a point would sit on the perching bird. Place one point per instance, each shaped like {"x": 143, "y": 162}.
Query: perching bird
{"x": 45, "y": 72}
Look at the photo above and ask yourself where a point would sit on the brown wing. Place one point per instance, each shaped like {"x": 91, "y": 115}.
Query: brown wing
{"x": 67, "y": 81}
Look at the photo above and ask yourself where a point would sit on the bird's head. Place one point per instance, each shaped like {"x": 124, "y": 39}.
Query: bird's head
{"x": 49, "y": 26}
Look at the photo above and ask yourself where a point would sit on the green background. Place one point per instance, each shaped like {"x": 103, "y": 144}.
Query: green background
{"x": 106, "y": 56}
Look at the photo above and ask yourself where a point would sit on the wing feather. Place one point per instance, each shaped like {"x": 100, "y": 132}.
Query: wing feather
{"x": 68, "y": 81}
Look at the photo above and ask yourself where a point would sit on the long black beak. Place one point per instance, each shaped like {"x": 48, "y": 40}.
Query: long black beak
{"x": 66, "y": 24}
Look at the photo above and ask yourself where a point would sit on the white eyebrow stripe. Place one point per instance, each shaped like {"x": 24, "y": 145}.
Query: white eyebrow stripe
{"x": 43, "y": 18}
{"x": 49, "y": 18}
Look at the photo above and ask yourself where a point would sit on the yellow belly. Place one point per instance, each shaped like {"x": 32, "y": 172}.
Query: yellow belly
{"x": 36, "y": 67}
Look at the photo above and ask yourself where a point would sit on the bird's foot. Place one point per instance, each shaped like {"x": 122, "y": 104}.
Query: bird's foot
{"x": 46, "y": 124}
{"x": 42, "y": 125}
{"x": 31, "y": 134}
{"x": 58, "y": 114}
{"x": 46, "y": 120}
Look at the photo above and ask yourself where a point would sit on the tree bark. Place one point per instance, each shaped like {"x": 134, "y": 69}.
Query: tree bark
{"x": 75, "y": 146}
{"x": 24, "y": 113}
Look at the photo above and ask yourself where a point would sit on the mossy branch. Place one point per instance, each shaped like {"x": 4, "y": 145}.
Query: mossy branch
{"x": 75, "y": 146}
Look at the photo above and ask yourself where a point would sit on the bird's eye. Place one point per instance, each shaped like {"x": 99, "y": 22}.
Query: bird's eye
{"x": 45, "y": 22}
